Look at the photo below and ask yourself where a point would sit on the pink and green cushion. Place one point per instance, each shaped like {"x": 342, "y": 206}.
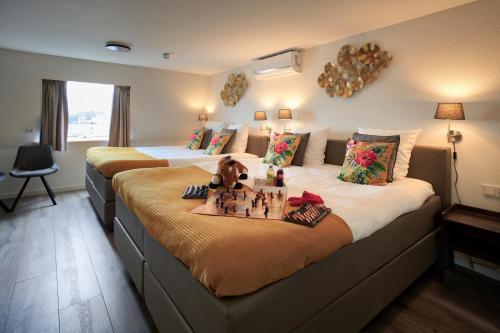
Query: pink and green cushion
{"x": 195, "y": 138}
{"x": 366, "y": 162}
{"x": 282, "y": 149}
{"x": 217, "y": 143}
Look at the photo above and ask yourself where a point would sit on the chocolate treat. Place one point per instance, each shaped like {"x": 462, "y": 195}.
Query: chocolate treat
{"x": 307, "y": 215}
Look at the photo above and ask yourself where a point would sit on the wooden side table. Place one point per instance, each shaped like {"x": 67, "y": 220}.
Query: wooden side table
{"x": 472, "y": 231}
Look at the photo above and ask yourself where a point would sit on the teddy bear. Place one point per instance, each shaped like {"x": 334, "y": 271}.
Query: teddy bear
{"x": 229, "y": 171}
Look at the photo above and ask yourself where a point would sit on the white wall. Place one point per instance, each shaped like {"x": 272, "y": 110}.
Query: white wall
{"x": 451, "y": 56}
{"x": 164, "y": 106}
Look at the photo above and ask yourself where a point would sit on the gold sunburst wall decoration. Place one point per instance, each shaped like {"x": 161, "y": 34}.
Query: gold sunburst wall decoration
{"x": 234, "y": 89}
{"x": 354, "y": 69}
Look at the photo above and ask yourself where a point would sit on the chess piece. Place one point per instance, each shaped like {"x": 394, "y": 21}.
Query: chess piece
{"x": 234, "y": 208}
{"x": 225, "y": 210}
{"x": 244, "y": 194}
{"x": 217, "y": 201}
{"x": 222, "y": 204}
{"x": 247, "y": 212}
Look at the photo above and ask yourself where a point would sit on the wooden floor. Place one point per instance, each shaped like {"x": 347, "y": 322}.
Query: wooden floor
{"x": 60, "y": 272}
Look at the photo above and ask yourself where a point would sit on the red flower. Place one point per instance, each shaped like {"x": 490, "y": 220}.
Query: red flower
{"x": 280, "y": 147}
{"x": 365, "y": 158}
{"x": 193, "y": 136}
{"x": 215, "y": 140}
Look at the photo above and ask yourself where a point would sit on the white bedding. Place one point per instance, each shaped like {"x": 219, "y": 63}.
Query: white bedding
{"x": 365, "y": 208}
{"x": 181, "y": 156}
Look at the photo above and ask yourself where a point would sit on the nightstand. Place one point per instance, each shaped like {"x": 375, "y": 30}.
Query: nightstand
{"x": 472, "y": 231}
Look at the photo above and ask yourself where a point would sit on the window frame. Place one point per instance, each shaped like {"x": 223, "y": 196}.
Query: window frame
{"x": 73, "y": 139}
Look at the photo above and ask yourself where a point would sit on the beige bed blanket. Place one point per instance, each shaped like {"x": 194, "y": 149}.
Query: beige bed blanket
{"x": 111, "y": 160}
{"x": 229, "y": 255}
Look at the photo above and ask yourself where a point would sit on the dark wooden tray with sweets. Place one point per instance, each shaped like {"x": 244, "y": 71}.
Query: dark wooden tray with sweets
{"x": 307, "y": 215}
{"x": 196, "y": 192}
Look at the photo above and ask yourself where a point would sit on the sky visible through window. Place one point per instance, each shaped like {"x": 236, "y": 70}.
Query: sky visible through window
{"x": 89, "y": 108}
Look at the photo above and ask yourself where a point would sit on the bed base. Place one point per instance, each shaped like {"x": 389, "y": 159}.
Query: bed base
{"x": 178, "y": 303}
{"x": 348, "y": 313}
{"x": 104, "y": 209}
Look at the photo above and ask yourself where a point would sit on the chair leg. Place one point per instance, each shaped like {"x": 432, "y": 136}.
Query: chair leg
{"x": 4, "y": 206}
{"x": 49, "y": 190}
{"x": 19, "y": 194}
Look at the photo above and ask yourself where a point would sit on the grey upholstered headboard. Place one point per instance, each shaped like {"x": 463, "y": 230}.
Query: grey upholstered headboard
{"x": 257, "y": 144}
{"x": 431, "y": 164}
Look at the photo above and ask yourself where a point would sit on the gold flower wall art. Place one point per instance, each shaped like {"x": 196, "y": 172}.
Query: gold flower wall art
{"x": 354, "y": 69}
{"x": 234, "y": 89}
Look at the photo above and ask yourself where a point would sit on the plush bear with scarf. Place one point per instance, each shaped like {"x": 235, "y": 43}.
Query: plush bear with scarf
{"x": 229, "y": 171}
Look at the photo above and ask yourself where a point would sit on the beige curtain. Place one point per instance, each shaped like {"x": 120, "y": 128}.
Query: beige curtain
{"x": 119, "y": 132}
{"x": 54, "y": 123}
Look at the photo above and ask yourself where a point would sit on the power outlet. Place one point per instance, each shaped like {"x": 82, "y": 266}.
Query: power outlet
{"x": 491, "y": 190}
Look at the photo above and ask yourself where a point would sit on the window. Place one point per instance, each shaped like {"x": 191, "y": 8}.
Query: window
{"x": 89, "y": 108}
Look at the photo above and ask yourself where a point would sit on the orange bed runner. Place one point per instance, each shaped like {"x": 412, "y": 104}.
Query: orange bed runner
{"x": 229, "y": 255}
{"x": 111, "y": 160}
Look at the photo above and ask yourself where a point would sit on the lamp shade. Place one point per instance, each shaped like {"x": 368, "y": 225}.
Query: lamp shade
{"x": 260, "y": 115}
{"x": 284, "y": 114}
{"x": 203, "y": 117}
{"x": 453, "y": 111}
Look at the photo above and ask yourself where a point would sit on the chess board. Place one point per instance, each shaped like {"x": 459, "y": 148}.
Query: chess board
{"x": 236, "y": 203}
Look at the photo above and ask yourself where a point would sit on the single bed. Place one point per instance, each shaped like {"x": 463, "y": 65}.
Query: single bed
{"x": 99, "y": 187}
{"x": 341, "y": 292}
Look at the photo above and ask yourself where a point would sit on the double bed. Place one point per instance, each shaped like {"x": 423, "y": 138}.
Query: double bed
{"x": 109, "y": 161}
{"x": 342, "y": 291}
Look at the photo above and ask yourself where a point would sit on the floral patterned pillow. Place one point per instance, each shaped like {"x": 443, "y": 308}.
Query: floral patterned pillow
{"x": 217, "y": 143}
{"x": 366, "y": 162}
{"x": 196, "y": 138}
{"x": 282, "y": 148}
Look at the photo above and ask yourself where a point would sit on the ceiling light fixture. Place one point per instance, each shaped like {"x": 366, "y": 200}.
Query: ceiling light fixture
{"x": 166, "y": 55}
{"x": 118, "y": 47}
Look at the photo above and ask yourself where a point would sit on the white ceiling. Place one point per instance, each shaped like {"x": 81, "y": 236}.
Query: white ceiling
{"x": 207, "y": 36}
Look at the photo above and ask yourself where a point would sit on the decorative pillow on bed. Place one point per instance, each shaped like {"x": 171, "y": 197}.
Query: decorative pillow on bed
{"x": 366, "y": 162}
{"x": 206, "y": 138}
{"x": 282, "y": 149}
{"x": 377, "y": 138}
{"x": 217, "y": 143}
{"x": 229, "y": 145}
{"x": 298, "y": 158}
{"x": 195, "y": 138}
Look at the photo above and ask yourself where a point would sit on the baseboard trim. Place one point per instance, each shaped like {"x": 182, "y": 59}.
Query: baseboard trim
{"x": 29, "y": 193}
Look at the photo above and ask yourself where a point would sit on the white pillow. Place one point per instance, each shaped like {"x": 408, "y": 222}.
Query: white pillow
{"x": 240, "y": 140}
{"x": 214, "y": 125}
{"x": 406, "y": 143}
{"x": 316, "y": 146}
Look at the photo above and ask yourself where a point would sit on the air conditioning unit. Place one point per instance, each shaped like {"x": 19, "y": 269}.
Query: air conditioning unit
{"x": 278, "y": 64}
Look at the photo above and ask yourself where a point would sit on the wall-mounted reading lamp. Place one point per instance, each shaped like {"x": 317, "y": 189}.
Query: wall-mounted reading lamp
{"x": 452, "y": 111}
